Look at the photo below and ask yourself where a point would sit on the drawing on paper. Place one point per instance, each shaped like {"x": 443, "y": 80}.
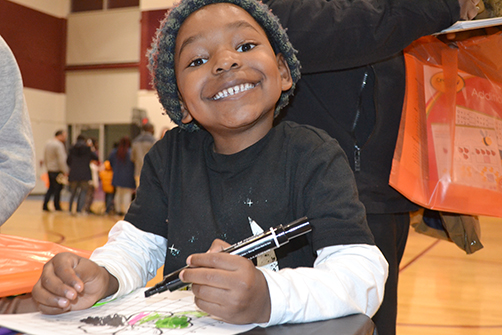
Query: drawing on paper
{"x": 153, "y": 322}
{"x": 168, "y": 313}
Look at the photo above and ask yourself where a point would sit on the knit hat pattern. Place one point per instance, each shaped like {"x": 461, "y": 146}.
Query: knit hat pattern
{"x": 161, "y": 55}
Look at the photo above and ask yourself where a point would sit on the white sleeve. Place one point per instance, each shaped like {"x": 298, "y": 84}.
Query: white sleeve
{"x": 131, "y": 255}
{"x": 345, "y": 279}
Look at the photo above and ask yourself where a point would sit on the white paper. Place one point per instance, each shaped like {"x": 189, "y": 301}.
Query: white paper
{"x": 472, "y": 24}
{"x": 172, "y": 313}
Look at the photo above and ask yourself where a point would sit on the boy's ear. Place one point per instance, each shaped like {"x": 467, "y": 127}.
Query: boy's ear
{"x": 287, "y": 81}
{"x": 186, "y": 116}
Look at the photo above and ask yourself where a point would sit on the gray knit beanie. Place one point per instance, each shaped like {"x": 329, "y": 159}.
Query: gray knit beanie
{"x": 161, "y": 55}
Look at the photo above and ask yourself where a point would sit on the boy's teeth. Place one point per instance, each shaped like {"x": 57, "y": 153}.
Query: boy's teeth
{"x": 233, "y": 90}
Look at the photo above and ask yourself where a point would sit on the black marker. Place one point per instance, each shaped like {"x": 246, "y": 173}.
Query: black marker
{"x": 249, "y": 248}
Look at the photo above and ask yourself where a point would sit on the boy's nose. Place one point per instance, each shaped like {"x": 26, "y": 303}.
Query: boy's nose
{"x": 226, "y": 61}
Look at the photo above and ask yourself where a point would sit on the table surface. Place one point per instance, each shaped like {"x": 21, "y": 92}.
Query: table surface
{"x": 357, "y": 324}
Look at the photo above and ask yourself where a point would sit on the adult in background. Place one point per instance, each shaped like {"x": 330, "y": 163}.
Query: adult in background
{"x": 17, "y": 154}
{"x": 55, "y": 161}
{"x": 352, "y": 86}
{"x": 123, "y": 175}
{"x": 79, "y": 160}
{"x": 140, "y": 146}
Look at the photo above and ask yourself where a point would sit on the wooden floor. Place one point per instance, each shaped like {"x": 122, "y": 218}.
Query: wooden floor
{"x": 442, "y": 290}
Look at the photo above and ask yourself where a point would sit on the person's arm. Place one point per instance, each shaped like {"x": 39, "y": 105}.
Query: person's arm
{"x": 134, "y": 153}
{"x": 341, "y": 34}
{"x": 346, "y": 279}
{"x": 131, "y": 255}
{"x": 17, "y": 154}
{"x": 63, "y": 159}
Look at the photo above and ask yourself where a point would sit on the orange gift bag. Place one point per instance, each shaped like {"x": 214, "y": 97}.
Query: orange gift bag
{"x": 22, "y": 261}
{"x": 449, "y": 148}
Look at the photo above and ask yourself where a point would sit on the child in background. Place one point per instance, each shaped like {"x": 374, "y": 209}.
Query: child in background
{"x": 106, "y": 176}
{"x": 223, "y": 69}
{"x": 94, "y": 182}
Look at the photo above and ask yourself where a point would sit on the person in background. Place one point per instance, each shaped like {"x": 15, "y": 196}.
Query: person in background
{"x": 93, "y": 186}
{"x": 55, "y": 161}
{"x": 94, "y": 182}
{"x": 352, "y": 86}
{"x": 123, "y": 175}
{"x": 79, "y": 160}
{"x": 17, "y": 153}
{"x": 140, "y": 146}
{"x": 223, "y": 71}
{"x": 106, "y": 176}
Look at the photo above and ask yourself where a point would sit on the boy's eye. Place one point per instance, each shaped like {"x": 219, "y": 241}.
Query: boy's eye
{"x": 197, "y": 62}
{"x": 246, "y": 47}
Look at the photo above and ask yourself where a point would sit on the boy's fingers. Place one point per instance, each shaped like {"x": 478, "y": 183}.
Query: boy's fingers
{"x": 52, "y": 310}
{"x": 204, "y": 276}
{"x": 218, "y": 270}
{"x": 53, "y": 282}
{"x": 48, "y": 302}
{"x": 208, "y": 306}
{"x": 219, "y": 309}
{"x": 218, "y": 260}
{"x": 218, "y": 245}
{"x": 65, "y": 269}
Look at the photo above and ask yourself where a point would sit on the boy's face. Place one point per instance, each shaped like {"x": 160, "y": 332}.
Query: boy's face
{"x": 228, "y": 75}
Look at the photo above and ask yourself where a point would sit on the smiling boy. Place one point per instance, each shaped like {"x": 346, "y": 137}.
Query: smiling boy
{"x": 228, "y": 76}
{"x": 223, "y": 70}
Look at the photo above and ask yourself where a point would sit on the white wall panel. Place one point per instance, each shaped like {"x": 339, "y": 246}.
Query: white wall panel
{"x": 101, "y": 96}
{"x": 155, "y": 4}
{"x": 47, "y": 115}
{"x": 104, "y": 37}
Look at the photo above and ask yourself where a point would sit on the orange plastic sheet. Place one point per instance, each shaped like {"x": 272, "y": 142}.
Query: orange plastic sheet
{"x": 449, "y": 148}
{"x": 22, "y": 260}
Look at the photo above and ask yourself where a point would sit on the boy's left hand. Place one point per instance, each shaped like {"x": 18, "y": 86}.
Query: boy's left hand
{"x": 228, "y": 286}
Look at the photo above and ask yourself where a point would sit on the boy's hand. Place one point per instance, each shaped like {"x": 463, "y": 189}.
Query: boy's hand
{"x": 70, "y": 282}
{"x": 228, "y": 286}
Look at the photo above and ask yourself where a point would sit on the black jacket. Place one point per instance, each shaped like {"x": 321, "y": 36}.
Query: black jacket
{"x": 78, "y": 160}
{"x": 353, "y": 78}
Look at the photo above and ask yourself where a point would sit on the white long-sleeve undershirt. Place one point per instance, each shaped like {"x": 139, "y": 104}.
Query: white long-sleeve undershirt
{"x": 345, "y": 279}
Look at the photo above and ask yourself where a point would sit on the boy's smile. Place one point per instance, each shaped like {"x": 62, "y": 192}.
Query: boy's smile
{"x": 233, "y": 90}
{"x": 228, "y": 75}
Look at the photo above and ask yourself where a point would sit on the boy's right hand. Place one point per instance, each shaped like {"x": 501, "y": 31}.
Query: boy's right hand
{"x": 228, "y": 286}
{"x": 70, "y": 282}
